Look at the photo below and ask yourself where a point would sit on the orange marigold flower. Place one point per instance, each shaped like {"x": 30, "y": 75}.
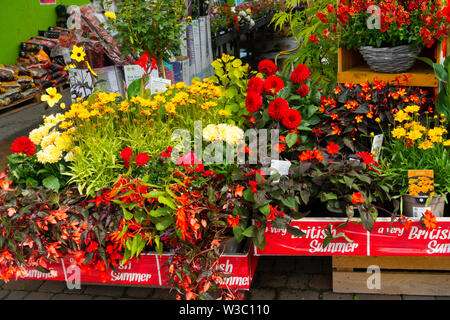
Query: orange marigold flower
{"x": 429, "y": 220}
{"x": 357, "y": 198}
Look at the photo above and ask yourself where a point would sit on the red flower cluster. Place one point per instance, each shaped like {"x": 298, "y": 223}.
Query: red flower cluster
{"x": 267, "y": 67}
{"x": 291, "y": 119}
{"x": 23, "y": 144}
{"x": 278, "y": 108}
{"x": 300, "y": 74}
{"x": 310, "y": 155}
{"x": 273, "y": 85}
{"x": 140, "y": 160}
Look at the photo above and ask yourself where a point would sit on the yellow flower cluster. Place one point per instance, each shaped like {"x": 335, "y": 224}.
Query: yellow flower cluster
{"x": 53, "y": 143}
{"x": 178, "y": 96}
{"x": 409, "y": 128}
{"x": 223, "y": 132}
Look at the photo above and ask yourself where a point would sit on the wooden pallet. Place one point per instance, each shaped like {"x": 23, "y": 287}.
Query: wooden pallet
{"x": 399, "y": 275}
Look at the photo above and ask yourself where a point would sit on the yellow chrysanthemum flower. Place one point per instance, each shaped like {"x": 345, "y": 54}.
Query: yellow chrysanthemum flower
{"x": 51, "y": 154}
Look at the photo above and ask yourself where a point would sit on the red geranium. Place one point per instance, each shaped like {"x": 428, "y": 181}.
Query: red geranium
{"x": 300, "y": 74}
{"x": 273, "y": 85}
{"x": 313, "y": 39}
{"x": 267, "y": 67}
{"x": 291, "y": 119}
{"x": 277, "y": 108}
{"x": 142, "y": 159}
{"x": 256, "y": 84}
{"x": 23, "y": 144}
{"x": 303, "y": 90}
{"x": 253, "y": 102}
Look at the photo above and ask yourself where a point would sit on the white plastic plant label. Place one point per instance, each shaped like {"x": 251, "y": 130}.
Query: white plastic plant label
{"x": 281, "y": 166}
{"x": 376, "y": 146}
{"x": 418, "y": 212}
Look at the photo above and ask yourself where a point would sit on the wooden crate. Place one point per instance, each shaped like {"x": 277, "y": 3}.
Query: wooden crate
{"x": 353, "y": 69}
{"x": 409, "y": 275}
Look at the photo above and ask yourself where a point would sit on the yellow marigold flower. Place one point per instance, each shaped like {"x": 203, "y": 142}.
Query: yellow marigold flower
{"x": 78, "y": 54}
{"x": 447, "y": 143}
{"x": 414, "y": 135}
{"x": 51, "y": 154}
{"x": 378, "y": 120}
{"x": 398, "y": 132}
{"x": 359, "y": 119}
{"x": 52, "y": 98}
{"x": 181, "y": 85}
{"x": 401, "y": 116}
{"x": 412, "y": 109}
{"x": 224, "y": 113}
{"x": 427, "y": 144}
{"x": 110, "y": 15}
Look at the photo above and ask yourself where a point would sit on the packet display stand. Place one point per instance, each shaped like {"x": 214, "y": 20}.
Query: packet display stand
{"x": 151, "y": 271}
{"x": 414, "y": 261}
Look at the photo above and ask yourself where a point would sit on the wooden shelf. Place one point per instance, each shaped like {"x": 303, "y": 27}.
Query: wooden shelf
{"x": 420, "y": 76}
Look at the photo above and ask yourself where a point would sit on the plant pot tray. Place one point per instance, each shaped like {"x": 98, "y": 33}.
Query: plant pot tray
{"x": 400, "y": 242}
{"x": 151, "y": 271}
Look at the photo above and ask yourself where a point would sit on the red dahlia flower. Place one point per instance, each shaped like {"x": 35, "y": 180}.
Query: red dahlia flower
{"x": 273, "y": 85}
{"x": 277, "y": 108}
{"x": 142, "y": 159}
{"x": 267, "y": 67}
{"x": 303, "y": 90}
{"x": 291, "y": 119}
{"x": 23, "y": 144}
{"x": 126, "y": 154}
{"x": 256, "y": 84}
{"x": 300, "y": 74}
{"x": 253, "y": 102}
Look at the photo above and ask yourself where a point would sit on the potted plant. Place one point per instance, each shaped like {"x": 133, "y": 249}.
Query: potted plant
{"x": 155, "y": 27}
{"x": 418, "y": 143}
{"x": 388, "y": 33}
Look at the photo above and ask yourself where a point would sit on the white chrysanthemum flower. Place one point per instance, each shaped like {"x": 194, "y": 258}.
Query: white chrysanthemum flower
{"x": 211, "y": 133}
{"x": 51, "y": 154}
{"x": 50, "y": 139}
{"x": 234, "y": 136}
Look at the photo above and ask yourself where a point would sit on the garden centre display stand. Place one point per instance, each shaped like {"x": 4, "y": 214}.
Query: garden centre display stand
{"x": 151, "y": 271}
{"x": 414, "y": 261}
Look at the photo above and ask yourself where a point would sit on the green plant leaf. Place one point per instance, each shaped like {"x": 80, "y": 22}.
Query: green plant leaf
{"x": 52, "y": 183}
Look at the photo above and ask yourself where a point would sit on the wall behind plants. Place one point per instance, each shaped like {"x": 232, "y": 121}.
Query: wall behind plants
{"x": 21, "y": 19}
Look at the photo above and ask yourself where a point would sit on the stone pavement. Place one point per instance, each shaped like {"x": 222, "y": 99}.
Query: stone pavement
{"x": 276, "y": 278}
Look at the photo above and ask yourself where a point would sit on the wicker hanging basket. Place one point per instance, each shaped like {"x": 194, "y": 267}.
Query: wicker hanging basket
{"x": 390, "y": 60}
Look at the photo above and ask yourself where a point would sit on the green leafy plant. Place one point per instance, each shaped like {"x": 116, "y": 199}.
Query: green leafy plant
{"x": 442, "y": 72}
{"x": 315, "y": 33}
{"x": 150, "y": 26}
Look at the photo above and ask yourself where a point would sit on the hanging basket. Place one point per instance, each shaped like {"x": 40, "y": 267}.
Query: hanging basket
{"x": 390, "y": 60}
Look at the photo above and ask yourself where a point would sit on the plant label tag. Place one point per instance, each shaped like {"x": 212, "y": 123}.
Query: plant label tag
{"x": 376, "y": 146}
{"x": 281, "y": 166}
{"x": 418, "y": 212}
{"x": 159, "y": 85}
{"x": 134, "y": 72}
{"x": 421, "y": 183}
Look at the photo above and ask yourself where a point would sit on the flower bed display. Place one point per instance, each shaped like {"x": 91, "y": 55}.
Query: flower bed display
{"x": 243, "y": 155}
